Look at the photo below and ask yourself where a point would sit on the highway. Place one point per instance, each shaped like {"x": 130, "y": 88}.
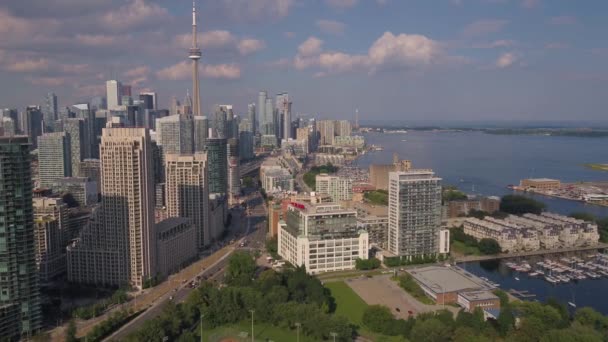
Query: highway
{"x": 248, "y": 224}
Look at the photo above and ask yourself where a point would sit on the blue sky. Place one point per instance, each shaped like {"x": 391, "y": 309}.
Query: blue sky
{"x": 411, "y": 60}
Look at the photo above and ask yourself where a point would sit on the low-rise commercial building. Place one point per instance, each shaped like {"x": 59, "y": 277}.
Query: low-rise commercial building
{"x": 540, "y": 183}
{"x": 453, "y": 285}
{"x": 464, "y": 207}
{"x": 176, "y": 244}
{"x": 322, "y": 237}
{"x": 378, "y": 173}
{"x": 374, "y": 220}
{"x": 355, "y": 141}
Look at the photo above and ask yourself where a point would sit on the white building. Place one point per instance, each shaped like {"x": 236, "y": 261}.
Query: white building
{"x": 339, "y": 188}
{"x": 322, "y": 237}
{"x": 414, "y": 214}
{"x": 113, "y": 90}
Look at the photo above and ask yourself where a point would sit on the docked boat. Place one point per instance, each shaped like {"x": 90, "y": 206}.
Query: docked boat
{"x": 534, "y": 274}
{"x": 551, "y": 280}
{"x": 593, "y": 275}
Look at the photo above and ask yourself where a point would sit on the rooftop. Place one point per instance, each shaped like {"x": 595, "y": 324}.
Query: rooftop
{"x": 170, "y": 223}
{"x": 542, "y": 180}
{"x": 439, "y": 279}
{"x": 478, "y": 295}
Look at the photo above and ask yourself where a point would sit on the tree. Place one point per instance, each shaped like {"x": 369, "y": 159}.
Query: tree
{"x": 241, "y": 269}
{"x": 506, "y": 320}
{"x": 430, "y": 330}
{"x": 248, "y": 182}
{"x": 453, "y": 195}
{"x": 583, "y": 216}
{"x": 489, "y": 246}
{"x": 70, "y": 334}
{"x": 367, "y": 264}
{"x": 519, "y": 205}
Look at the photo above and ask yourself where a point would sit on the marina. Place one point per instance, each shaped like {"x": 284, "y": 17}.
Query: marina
{"x": 574, "y": 280}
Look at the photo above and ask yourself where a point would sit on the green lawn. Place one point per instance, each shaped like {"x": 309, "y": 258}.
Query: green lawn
{"x": 461, "y": 248}
{"x": 351, "y": 306}
{"x": 262, "y": 333}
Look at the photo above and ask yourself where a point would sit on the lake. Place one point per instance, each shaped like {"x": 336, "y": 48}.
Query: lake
{"x": 486, "y": 164}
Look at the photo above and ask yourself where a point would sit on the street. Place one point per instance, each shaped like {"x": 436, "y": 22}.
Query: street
{"x": 252, "y": 229}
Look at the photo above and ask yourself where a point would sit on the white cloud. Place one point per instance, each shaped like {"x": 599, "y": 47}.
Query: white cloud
{"x": 341, "y": 4}
{"x": 311, "y": 46}
{"x": 484, "y": 27}
{"x": 256, "y": 10}
{"x": 331, "y": 26}
{"x": 506, "y": 60}
{"x": 249, "y": 46}
{"x": 28, "y": 65}
{"x": 183, "y": 71}
{"x": 388, "y": 51}
{"x": 134, "y": 14}
{"x": 221, "y": 40}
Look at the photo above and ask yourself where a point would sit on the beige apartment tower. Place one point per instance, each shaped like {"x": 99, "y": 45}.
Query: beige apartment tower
{"x": 118, "y": 246}
{"x": 188, "y": 192}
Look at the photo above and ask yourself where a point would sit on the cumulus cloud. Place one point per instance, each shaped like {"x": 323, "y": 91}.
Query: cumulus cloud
{"x": 484, "y": 27}
{"x": 341, "y": 4}
{"x": 506, "y": 60}
{"x": 331, "y": 26}
{"x": 249, "y": 10}
{"x": 183, "y": 71}
{"x": 387, "y": 52}
{"x": 28, "y": 65}
{"x": 221, "y": 40}
{"x": 134, "y": 14}
{"x": 249, "y": 46}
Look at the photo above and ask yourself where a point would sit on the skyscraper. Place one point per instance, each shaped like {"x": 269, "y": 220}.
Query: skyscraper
{"x": 54, "y": 158}
{"x": 283, "y": 116}
{"x": 252, "y": 117}
{"x": 195, "y": 55}
{"x": 113, "y": 91}
{"x": 342, "y": 128}
{"x": 326, "y": 129}
{"x": 414, "y": 207}
{"x": 234, "y": 184}
{"x": 261, "y": 112}
{"x": 187, "y": 192}
{"x": 217, "y": 165}
{"x": 271, "y": 121}
{"x": 76, "y": 130}
{"x": 219, "y": 127}
{"x": 31, "y": 123}
{"x": 90, "y": 147}
{"x": 50, "y": 222}
{"x": 50, "y": 111}
{"x": 19, "y": 296}
{"x": 148, "y": 100}
{"x": 118, "y": 246}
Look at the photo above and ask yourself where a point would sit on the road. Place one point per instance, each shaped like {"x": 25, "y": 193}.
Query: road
{"x": 300, "y": 181}
{"x": 250, "y": 226}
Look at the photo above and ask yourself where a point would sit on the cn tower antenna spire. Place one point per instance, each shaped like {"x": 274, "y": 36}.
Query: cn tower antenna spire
{"x": 195, "y": 55}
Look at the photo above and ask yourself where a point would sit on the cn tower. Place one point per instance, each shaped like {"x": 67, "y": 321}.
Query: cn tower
{"x": 195, "y": 55}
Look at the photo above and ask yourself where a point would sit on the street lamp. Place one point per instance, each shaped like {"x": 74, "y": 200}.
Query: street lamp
{"x": 333, "y": 334}
{"x": 252, "y": 338}
{"x": 298, "y": 324}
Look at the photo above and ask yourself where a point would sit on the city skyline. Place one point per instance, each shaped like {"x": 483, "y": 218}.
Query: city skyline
{"x": 485, "y": 60}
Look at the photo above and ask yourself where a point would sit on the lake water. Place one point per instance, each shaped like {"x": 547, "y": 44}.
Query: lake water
{"x": 486, "y": 164}
{"x": 586, "y": 292}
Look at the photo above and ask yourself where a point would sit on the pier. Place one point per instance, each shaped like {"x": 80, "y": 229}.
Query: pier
{"x": 473, "y": 258}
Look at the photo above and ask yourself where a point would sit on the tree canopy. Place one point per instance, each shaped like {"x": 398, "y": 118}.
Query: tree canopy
{"x": 519, "y": 205}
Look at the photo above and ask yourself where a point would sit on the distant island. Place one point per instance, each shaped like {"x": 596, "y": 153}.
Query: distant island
{"x": 598, "y": 167}
{"x": 552, "y": 131}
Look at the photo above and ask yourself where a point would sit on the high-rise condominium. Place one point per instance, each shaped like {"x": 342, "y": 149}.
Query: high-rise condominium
{"x": 234, "y": 184}
{"x": 414, "y": 214}
{"x": 271, "y": 121}
{"x": 50, "y": 111}
{"x": 150, "y": 100}
{"x": 118, "y": 246}
{"x": 342, "y": 128}
{"x": 76, "y": 128}
{"x": 113, "y": 91}
{"x": 261, "y": 112}
{"x": 187, "y": 192}
{"x": 20, "y": 313}
{"x": 50, "y": 223}
{"x": 54, "y": 158}
{"x": 326, "y": 129}
{"x": 251, "y": 115}
{"x": 220, "y": 127}
{"x": 31, "y": 123}
{"x": 217, "y": 161}
{"x": 284, "y": 116}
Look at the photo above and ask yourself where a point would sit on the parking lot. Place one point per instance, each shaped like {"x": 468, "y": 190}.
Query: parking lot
{"x": 381, "y": 290}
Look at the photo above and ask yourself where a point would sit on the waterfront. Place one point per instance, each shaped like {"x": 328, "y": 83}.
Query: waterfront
{"x": 486, "y": 163}
{"x": 583, "y": 293}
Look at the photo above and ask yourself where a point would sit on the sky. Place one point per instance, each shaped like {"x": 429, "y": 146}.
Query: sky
{"x": 436, "y": 60}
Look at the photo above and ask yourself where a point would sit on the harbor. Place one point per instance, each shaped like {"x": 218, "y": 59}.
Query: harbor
{"x": 573, "y": 279}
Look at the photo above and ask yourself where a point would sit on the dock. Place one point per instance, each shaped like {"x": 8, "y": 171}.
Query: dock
{"x": 473, "y": 258}
{"x": 524, "y": 294}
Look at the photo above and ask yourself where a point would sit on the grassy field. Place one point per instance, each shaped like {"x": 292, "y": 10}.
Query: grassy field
{"x": 262, "y": 332}
{"x": 460, "y": 248}
{"x": 351, "y": 306}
